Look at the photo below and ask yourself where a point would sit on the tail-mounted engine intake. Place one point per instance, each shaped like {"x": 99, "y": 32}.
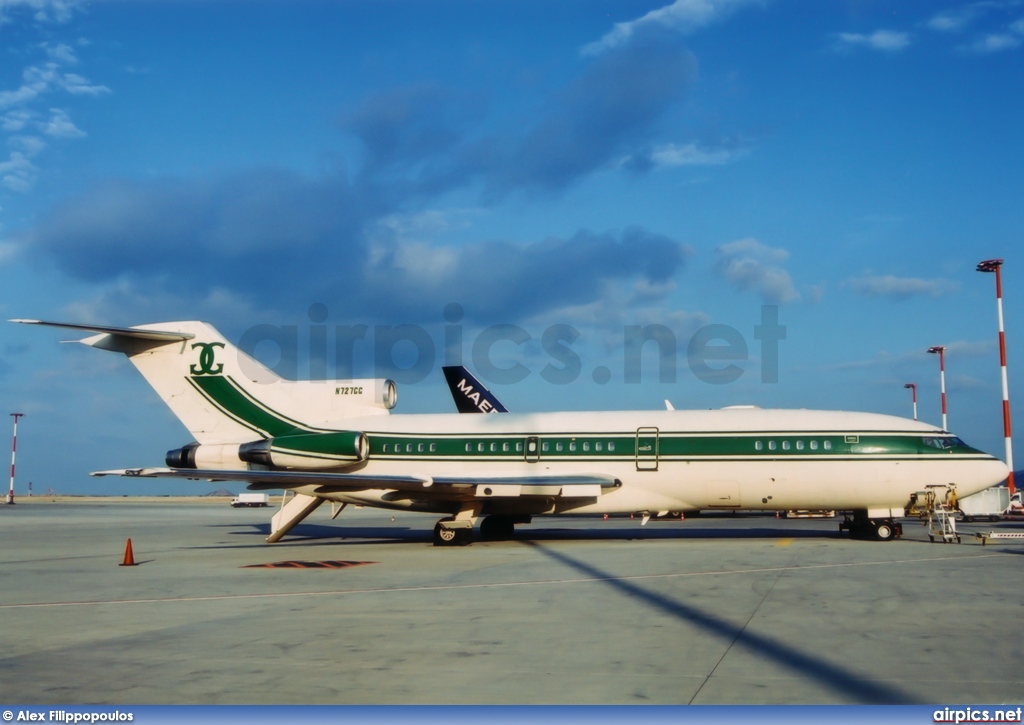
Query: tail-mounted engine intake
{"x": 312, "y": 451}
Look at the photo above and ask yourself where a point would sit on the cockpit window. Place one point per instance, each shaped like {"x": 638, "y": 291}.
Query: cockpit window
{"x": 943, "y": 443}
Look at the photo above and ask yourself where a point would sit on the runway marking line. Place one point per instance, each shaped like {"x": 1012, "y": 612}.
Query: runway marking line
{"x": 494, "y": 585}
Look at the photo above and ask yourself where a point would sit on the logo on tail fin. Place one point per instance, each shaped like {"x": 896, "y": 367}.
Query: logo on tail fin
{"x": 206, "y": 359}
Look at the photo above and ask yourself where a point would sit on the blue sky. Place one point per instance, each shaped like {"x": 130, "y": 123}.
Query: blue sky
{"x": 575, "y": 168}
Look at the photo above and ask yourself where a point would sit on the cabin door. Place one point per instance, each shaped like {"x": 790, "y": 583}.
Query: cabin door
{"x": 647, "y": 449}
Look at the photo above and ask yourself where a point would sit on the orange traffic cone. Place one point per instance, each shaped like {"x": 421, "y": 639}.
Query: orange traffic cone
{"x": 129, "y": 556}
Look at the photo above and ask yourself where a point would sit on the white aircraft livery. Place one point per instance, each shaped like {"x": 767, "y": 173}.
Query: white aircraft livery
{"x": 337, "y": 441}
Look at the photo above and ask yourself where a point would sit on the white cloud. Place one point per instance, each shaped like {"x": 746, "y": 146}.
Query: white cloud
{"x": 890, "y": 41}
{"x": 954, "y": 21}
{"x": 22, "y": 109}
{"x": 61, "y": 53}
{"x": 16, "y": 120}
{"x": 682, "y": 16}
{"x": 23, "y": 95}
{"x": 44, "y": 11}
{"x": 957, "y": 20}
{"x": 18, "y": 173}
{"x": 995, "y": 43}
{"x": 28, "y": 145}
{"x": 79, "y": 86}
{"x": 751, "y": 265}
{"x": 60, "y": 125}
{"x": 692, "y": 155}
{"x": 872, "y": 285}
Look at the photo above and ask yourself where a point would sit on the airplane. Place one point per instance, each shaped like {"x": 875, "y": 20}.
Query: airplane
{"x": 337, "y": 441}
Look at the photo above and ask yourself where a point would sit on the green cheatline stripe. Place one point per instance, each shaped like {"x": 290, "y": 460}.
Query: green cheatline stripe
{"x": 232, "y": 400}
{"x": 671, "y": 445}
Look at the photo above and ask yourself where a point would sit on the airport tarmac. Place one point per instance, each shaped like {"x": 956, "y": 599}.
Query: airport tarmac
{"x": 749, "y": 609}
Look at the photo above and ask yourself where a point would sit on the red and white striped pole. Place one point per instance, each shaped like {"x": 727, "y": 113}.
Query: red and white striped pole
{"x": 14, "y": 450}
{"x": 941, "y": 350}
{"x": 995, "y": 265}
{"x": 913, "y": 390}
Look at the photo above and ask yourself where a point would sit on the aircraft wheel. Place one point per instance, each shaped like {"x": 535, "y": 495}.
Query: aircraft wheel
{"x": 885, "y": 531}
{"x": 497, "y": 528}
{"x": 452, "y": 537}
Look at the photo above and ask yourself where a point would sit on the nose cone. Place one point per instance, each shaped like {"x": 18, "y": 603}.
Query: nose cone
{"x": 981, "y": 474}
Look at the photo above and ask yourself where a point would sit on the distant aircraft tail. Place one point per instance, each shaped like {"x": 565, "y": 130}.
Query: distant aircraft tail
{"x": 469, "y": 394}
{"x": 224, "y": 396}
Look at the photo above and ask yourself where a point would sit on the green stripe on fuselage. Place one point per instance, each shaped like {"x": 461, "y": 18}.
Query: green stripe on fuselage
{"x": 671, "y": 445}
{"x": 231, "y": 399}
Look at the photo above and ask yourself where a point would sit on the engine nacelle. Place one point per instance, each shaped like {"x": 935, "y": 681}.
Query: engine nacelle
{"x": 220, "y": 457}
{"x": 311, "y": 451}
{"x": 308, "y": 450}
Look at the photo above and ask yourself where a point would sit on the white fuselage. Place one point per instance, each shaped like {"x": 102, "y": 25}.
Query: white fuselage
{"x": 678, "y": 460}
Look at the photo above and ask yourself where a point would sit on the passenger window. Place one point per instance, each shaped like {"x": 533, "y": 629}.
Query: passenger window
{"x": 758, "y": 445}
{"x": 611, "y": 445}
{"x": 469, "y": 448}
{"x": 433, "y": 447}
{"x": 572, "y": 445}
{"x": 504, "y": 447}
{"x": 771, "y": 445}
{"x": 545, "y": 446}
{"x": 827, "y": 445}
{"x": 494, "y": 447}
{"x": 385, "y": 447}
{"x": 419, "y": 448}
{"x": 597, "y": 447}
{"x": 586, "y": 445}
{"x": 785, "y": 445}
{"x": 480, "y": 447}
{"x": 814, "y": 445}
{"x": 799, "y": 445}
{"x": 519, "y": 447}
{"x": 558, "y": 446}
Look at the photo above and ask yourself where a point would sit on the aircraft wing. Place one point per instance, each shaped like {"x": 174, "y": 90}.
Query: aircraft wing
{"x": 576, "y": 486}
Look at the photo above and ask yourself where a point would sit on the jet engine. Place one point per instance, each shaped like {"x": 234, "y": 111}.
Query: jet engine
{"x": 310, "y": 451}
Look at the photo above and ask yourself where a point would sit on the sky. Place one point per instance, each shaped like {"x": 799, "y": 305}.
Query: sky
{"x": 594, "y": 204}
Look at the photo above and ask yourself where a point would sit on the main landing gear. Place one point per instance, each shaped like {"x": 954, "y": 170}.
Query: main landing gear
{"x": 446, "y": 535}
{"x": 861, "y": 527}
{"x": 459, "y": 532}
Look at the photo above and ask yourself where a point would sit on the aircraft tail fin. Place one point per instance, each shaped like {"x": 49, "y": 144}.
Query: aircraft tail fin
{"x": 469, "y": 394}
{"x": 223, "y": 395}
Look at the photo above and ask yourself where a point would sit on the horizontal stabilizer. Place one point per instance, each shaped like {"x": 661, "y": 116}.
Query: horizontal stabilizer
{"x": 138, "y": 333}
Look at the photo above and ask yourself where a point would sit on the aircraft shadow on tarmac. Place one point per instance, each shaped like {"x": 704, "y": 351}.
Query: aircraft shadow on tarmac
{"x": 833, "y": 677}
{"x": 847, "y": 684}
